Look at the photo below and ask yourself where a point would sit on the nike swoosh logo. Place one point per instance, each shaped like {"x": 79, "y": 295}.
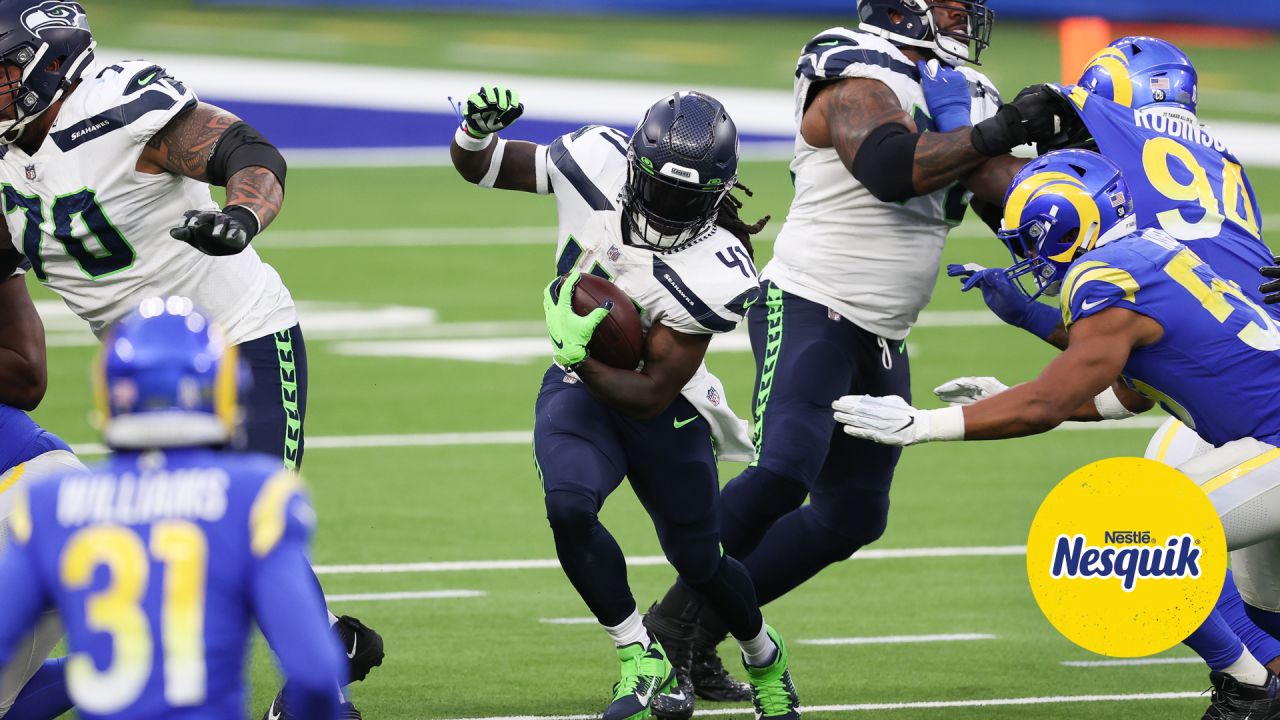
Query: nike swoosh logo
{"x": 910, "y": 422}
{"x": 144, "y": 81}
{"x": 829, "y": 43}
{"x": 355, "y": 640}
{"x": 1091, "y": 305}
{"x": 273, "y": 714}
{"x": 557, "y": 343}
{"x": 681, "y": 423}
{"x": 678, "y": 695}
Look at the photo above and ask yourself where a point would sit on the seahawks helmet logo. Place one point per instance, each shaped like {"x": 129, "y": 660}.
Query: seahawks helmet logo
{"x": 54, "y": 14}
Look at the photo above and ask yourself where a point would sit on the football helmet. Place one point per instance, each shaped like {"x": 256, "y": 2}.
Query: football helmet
{"x": 681, "y": 161}
{"x": 915, "y": 26}
{"x": 1139, "y": 72}
{"x": 166, "y": 377}
{"x": 34, "y": 35}
{"x": 1060, "y": 205}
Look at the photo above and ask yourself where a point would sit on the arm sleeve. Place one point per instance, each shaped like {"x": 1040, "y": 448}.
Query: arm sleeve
{"x": 289, "y": 607}
{"x": 24, "y": 595}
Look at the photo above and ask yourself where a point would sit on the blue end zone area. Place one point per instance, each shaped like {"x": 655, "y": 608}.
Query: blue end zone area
{"x": 333, "y": 127}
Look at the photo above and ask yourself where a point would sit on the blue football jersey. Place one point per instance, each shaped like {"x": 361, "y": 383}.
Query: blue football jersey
{"x": 22, "y": 439}
{"x": 1217, "y": 366}
{"x": 155, "y": 563}
{"x": 1185, "y": 182}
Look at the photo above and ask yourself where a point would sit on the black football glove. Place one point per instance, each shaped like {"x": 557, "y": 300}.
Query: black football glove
{"x": 491, "y": 109}
{"x": 1035, "y": 115}
{"x": 214, "y": 232}
{"x": 1271, "y": 290}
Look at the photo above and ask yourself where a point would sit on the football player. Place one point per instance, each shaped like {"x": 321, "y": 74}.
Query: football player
{"x": 194, "y": 542}
{"x": 1143, "y": 307}
{"x": 1136, "y": 103}
{"x": 105, "y": 171}
{"x": 652, "y": 213}
{"x": 895, "y": 135}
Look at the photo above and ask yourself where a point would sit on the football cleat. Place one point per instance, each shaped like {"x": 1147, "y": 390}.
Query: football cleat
{"x": 1234, "y": 700}
{"x": 347, "y": 711}
{"x": 711, "y": 681}
{"x": 645, "y": 673}
{"x": 676, "y": 637}
{"x": 775, "y": 694}
{"x": 279, "y": 711}
{"x": 362, "y": 645}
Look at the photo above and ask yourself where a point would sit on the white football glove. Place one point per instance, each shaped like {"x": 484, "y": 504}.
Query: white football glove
{"x": 968, "y": 390}
{"x": 891, "y": 421}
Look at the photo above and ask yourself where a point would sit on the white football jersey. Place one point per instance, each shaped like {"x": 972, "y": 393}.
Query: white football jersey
{"x": 872, "y": 262}
{"x": 701, "y": 288}
{"x": 96, "y": 231}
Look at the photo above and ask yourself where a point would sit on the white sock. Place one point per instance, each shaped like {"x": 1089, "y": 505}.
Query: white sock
{"x": 629, "y": 631}
{"x": 333, "y": 619}
{"x": 1247, "y": 669}
{"x": 759, "y": 651}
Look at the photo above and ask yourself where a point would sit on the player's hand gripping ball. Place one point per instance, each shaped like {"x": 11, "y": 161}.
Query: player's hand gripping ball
{"x": 595, "y": 318}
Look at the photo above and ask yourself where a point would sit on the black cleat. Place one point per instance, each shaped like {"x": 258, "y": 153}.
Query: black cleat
{"x": 676, "y": 637}
{"x": 279, "y": 711}
{"x": 710, "y": 678}
{"x": 347, "y": 711}
{"x": 1234, "y": 700}
{"x": 362, "y": 646}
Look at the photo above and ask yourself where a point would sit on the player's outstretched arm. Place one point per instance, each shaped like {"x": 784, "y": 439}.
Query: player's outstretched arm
{"x": 23, "y": 360}
{"x": 482, "y": 158}
{"x": 670, "y": 360}
{"x": 291, "y": 612}
{"x": 211, "y": 145}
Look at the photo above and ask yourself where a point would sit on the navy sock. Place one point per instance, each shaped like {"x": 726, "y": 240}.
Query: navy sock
{"x": 1215, "y": 642}
{"x": 44, "y": 697}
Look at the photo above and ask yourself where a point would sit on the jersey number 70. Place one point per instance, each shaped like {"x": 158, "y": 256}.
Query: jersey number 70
{"x": 116, "y": 253}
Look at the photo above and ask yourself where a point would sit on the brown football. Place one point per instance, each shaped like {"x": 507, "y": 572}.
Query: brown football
{"x": 618, "y": 340}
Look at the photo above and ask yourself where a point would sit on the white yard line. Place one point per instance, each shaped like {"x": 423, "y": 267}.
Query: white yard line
{"x": 569, "y": 621}
{"x": 921, "y": 705}
{"x": 409, "y": 595}
{"x": 649, "y": 560}
{"x": 896, "y": 639}
{"x": 1131, "y": 663}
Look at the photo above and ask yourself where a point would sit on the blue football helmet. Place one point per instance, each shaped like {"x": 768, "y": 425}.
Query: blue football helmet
{"x": 34, "y": 36}
{"x": 911, "y": 22}
{"x": 1139, "y": 72}
{"x": 1060, "y": 205}
{"x": 166, "y": 377}
{"x": 681, "y": 162}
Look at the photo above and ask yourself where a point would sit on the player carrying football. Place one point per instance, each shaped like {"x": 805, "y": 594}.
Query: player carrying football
{"x": 653, "y": 214}
{"x": 158, "y": 559}
{"x": 105, "y": 171}
{"x": 1140, "y": 306}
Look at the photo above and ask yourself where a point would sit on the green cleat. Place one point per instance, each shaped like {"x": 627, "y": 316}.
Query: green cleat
{"x": 775, "y": 694}
{"x": 645, "y": 673}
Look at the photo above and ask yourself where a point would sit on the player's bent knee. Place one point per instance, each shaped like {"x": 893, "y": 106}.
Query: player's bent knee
{"x": 570, "y": 511}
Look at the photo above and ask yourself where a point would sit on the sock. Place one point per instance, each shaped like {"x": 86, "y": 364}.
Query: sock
{"x": 1263, "y": 646}
{"x": 1215, "y": 643}
{"x": 759, "y": 651}
{"x": 333, "y": 619}
{"x": 629, "y": 631}
{"x": 1247, "y": 669}
{"x": 44, "y": 697}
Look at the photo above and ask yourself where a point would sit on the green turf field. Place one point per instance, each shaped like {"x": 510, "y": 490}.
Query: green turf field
{"x": 471, "y": 256}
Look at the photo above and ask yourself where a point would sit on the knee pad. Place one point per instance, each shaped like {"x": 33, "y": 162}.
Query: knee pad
{"x": 695, "y": 562}
{"x": 759, "y": 492}
{"x": 569, "y": 511}
{"x": 1256, "y": 570}
{"x": 859, "y": 520}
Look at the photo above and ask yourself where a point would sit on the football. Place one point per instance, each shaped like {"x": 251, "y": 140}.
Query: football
{"x": 618, "y": 340}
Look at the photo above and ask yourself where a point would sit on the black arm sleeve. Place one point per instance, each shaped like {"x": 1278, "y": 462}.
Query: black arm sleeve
{"x": 884, "y": 162}
{"x": 989, "y": 213}
{"x": 240, "y": 147}
{"x": 10, "y": 261}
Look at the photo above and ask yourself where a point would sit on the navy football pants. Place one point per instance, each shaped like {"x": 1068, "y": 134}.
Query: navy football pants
{"x": 584, "y": 449}
{"x": 276, "y": 403}
{"x": 806, "y": 357}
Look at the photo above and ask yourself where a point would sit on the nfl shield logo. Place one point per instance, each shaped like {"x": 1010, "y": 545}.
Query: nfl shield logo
{"x": 31, "y": 172}
{"x": 713, "y": 396}
{"x": 614, "y": 253}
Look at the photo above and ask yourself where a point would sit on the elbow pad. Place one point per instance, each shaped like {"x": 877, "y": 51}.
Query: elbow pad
{"x": 884, "y": 162}
{"x": 240, "y": 147}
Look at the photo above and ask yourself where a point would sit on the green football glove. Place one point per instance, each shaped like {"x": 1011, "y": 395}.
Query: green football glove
{"x": 490, "y": 110}
{"x": 570, "y": 332}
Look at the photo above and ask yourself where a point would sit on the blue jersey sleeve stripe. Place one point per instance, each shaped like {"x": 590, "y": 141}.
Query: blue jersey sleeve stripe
{"x": 609, "y": 138}
{"x": 701, "y": 312}
{"x": 114, "y": 119}
{"x": 564, "y": 162}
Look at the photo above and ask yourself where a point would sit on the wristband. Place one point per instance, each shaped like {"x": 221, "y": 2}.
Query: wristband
{"x": 468, "y": 142}
{"x": 1109, "y": 406}
{"x": 247, "y": 217}
{"x": 495, "y": 164}
{"x": 945, "y": 424}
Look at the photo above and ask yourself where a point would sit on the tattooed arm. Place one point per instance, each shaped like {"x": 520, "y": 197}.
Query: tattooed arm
{"x": 187, "y": 145}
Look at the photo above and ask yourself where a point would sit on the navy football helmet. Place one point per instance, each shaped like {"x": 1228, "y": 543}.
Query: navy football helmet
{"x": 1141, "y": 72}
{"x": 1059, "y": 206}
{"x": 34, "y": 34}
{"x": 911, "y": 22}
{"x": 681, "y": 161}
{"x": 166, "y": 377}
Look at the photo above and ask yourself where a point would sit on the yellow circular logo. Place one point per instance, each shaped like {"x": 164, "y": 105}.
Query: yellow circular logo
{"x": 1126, "y": 557}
